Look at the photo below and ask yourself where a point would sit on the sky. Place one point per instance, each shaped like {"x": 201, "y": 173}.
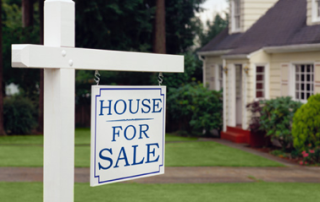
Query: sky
{"x": 211, "y": 7}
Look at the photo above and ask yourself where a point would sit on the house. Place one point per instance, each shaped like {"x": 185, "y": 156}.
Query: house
{"x": 270, "y": 49}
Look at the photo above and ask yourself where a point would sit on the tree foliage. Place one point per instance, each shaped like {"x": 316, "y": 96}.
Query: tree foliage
{"x": 213, "y": 29}
{"x": 196, "y": 107}
{"x": 14, "y": 33}
{"x": 306, "y": 125}
{"x": 276, "y": 119}
{"x": 19, "y": 115}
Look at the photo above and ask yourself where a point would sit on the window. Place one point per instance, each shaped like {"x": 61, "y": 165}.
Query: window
{"x": 236, "y": 11}
{"x": 316, "y": 10}
{"x": 260, "y": 82}
{"x": 304, "y": 74}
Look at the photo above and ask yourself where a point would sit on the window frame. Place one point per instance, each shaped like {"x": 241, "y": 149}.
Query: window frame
{"x": 266, "y": 81}
{"x": 315, "y": 10}
{"x": 234, "y": 16}
{"x": 293, "y": 81}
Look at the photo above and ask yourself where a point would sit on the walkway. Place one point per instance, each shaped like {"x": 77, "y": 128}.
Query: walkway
{"x": 291, "y": 173}
{"x": 187, "y": 175}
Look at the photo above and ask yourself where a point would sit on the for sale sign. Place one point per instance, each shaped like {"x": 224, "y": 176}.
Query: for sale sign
{"x": 127, "y": 133}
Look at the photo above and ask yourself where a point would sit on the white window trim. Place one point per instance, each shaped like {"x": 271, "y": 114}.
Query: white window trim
{"x": 315, "y": 17}
{"x": 234, "y": 29}
{"x": 266, "y": 80}
{"x": 292, "y": 79}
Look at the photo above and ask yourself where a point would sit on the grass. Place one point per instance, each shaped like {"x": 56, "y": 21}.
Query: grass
{"x": 212, "y": 154}
{"x": 82, "y": 137}
{"x": 27, "y": 151}
{"x": 177, "y": 154}
{"x": 133, "y": 192}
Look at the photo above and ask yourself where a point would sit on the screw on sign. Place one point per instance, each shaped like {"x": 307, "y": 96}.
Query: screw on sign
{"x": 60, "y": 59}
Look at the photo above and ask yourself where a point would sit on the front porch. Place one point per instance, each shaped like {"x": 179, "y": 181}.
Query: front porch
{"x": 236, "y": 134}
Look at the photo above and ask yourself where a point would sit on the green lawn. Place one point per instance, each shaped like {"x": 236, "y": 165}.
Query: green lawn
{"x": 20, "y": 151}
{"x": 177, "y": 154}
{"x": 212, "y": 154}
{"x": 133, "y": 192}
{"x": 82, "y": 137}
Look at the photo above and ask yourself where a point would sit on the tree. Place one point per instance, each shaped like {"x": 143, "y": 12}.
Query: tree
{"x": 181, "y": 28}
{"x": 40, "y": 111}
{"x": 27, "y": 13}
{"x": 213, "y": 29}
{"x": 2, "y": 132}
{"x": 159, "y": 43}
{"x": 14, "y": 33}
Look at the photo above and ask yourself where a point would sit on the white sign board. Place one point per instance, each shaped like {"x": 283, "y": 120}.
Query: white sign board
{"x": 127, "y": 133}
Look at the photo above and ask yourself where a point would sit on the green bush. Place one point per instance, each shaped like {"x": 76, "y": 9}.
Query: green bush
{"x": 196, "y": 107}
{"x": 306, "y": 125}
{"x": 19, "y": 115}
{"x": 276, "y": 119}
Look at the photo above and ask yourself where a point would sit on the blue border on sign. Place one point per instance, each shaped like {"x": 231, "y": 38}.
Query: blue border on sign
{"x": 95, "y": 130}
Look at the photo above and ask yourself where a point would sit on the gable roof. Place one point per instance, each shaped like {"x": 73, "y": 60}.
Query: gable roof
{"x": 283, "y": 24}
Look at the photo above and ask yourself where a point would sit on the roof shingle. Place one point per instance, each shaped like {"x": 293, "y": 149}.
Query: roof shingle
{"x": 283, "y": 24}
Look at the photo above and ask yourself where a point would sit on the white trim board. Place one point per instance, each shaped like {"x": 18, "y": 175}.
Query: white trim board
{"x": 37, "y": 56}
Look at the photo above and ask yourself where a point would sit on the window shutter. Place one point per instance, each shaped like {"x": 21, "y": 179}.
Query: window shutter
{"x": 316, "y": 78}
{"x": 217, "y": 76}
{"x": 284, "y": 79}
{"x": 212, "y": 77}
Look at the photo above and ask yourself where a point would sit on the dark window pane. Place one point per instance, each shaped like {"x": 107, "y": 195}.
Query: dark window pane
{"x": 302, "y": 96}
{"x": 308, "y": 68}
{"x": 259, "y": 94}
{"x": 260, "y": 69}
{"x": 311, "y": 87}
{"x": 302, "y": 68}
{"x": 259, "y": 86}
{"x": 302, "y": 86}
{"x": 259, "y": 77}
{"x": 302, "y": 77}
{"x": 308, "y": 77}
{"x": 308, "y": 86}
{"x": 308, "y": 95}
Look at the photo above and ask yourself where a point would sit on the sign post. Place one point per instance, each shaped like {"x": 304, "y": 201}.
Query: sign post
{"x": 59, "y": 59}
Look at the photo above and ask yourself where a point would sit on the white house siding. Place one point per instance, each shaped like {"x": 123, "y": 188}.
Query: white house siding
{"x": 277, "y": 60}
{"x": 251, "y": 11}
{"x": 309, "y": 12}
{"x": 210, "y": 75}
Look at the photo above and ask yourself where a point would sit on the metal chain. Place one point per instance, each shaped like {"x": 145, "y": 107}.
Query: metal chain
{"x": 97, "y": 77}
{"x": 160, "y": 78}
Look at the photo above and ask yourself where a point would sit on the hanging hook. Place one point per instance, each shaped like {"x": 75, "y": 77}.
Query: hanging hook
{"x": 160, "y": 78}
{"x": 97, "y": 77}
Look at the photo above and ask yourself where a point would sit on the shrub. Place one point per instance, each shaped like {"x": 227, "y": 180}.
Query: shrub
{"x": 19, "y": 115}
{"x": 255, "y": 109}
{"x": 306, "y": 125}
{"x": 276, "y": 119}
{"x": 310, "y": 156}
{"x": 197, "y": 106}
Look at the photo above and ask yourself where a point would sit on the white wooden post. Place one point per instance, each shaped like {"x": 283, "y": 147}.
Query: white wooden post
{"x": 59, "y": 91}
